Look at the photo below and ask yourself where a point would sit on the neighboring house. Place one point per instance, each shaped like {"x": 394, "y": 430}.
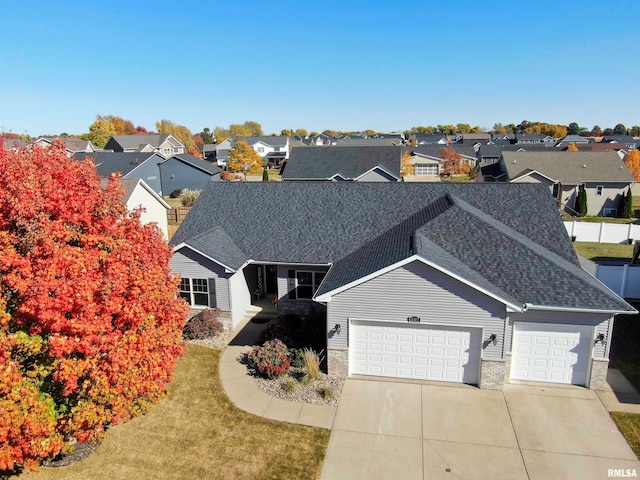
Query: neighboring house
{"x": 425, "y": 158}
{"x": 209, "y": 152}
{"x": 73, "y": 145}
{"x": 535, "y": 138}
{"x": 138, "y": 194}
{"x": 186, "y": 171}
{"x": 429, "y": 139}
{"x": 339, "y": 163}
{"x": 132, "y": 165}
{"x": 603, "y": 175}
{"x": 166, "y": 145}
{"x": 628, "y": 140}
{"x": 270, "y": 148}
{"x": 487, "y": 154}
{"x": 573, "y": 139}
{"x": 428, "y": 281}
{"x": 369, "y": 142}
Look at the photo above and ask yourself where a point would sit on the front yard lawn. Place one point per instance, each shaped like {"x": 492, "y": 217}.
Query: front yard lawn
{"x": 604, "y": 251}
{"x": 196, "y": 432}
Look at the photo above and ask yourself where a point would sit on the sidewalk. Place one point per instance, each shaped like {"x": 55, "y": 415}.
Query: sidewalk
{"x": 245, "y": 394}
{"x": 619, "y": 395}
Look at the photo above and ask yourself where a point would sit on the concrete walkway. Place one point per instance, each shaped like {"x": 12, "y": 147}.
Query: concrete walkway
{"x": 244, "y": 393}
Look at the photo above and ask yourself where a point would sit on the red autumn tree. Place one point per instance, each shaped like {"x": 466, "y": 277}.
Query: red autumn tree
{"x": 90, "y": 324}
{"x": 453, "y": 163}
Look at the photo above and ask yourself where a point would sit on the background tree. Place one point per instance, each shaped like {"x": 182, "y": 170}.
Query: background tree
{"x": 635, "y": 131}
{"x": 626, "y": 205}
{"x": 244, "y": 159}
{"x": 572, "y": 148}
{"x": 581, "y": 202}
{"x": 620, "y": 129}
{"x": 100, "y": 131}
{"x": 286, "y": 133}
{"x": 207, "y": 136}
{"x": 632, "y": 161}
{"x": 575, "y": 129}
{"x": 406, "y": 167}
{"x": 453, "y": 163}
{"x": 300, "y": 131}
{"x": 90, "y": 323}
{"x": 596, "y": 131}
{"x": 180, "y": 132}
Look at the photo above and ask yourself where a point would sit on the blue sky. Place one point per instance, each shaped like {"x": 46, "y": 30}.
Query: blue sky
{"x": 317, "y": 65}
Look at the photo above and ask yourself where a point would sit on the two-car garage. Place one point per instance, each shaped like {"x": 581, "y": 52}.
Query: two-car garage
{"x": 543, "y": 352}
{"x": 424, "y": 352}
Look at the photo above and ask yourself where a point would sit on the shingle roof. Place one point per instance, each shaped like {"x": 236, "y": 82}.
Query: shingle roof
{"x": 134, "y": 141}
{"x": 111, "y": 162}
{"x": 196, "y": 162}
{"x": 274, "y": 141}
{"x": 569, "y": 168}
{"x": 505, "y": 238}
{"x": 349, "y": 162}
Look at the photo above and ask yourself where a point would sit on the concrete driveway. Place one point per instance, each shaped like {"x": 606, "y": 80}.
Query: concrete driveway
{"x": 392, "y": 430}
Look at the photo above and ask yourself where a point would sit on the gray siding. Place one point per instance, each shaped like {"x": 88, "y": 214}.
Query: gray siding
{"x": 417, "y": 289}
{"x": 601, "y": 321}
{"x": 377, "y": 176}
{"x": 149, "y": 172}
{"x": 189, "y": 264}
{"x": 283, "y": 279}
{"x": 177, "y": 175}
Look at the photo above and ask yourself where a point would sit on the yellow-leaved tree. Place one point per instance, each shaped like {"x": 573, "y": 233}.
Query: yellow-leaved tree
{"x": 632, "y": 161}
{"x": 572, "y": 148}
{"x": 244, "y": 159}
{"x": 406, "y": 167}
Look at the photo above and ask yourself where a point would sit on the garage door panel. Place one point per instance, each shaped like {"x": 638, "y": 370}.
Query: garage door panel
{"x": 551, "y": 352}
{"x": 425, "y": 352}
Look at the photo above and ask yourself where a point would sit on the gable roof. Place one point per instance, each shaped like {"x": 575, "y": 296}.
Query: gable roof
{"x": 273, "y": 141}
{"x": 568, "y": 168}
{"x": 134, "y": 141}
{"x": 473, "y": 232}
{"x": 123, "y": 162}
{"x": 349, "y": 162}
{"x": 129, "y": 186}
{"x": 194, "y": 162}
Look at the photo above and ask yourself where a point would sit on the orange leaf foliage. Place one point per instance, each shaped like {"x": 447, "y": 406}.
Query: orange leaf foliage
{"x": 95, "y": 323}
{"x": 632, "y": 161}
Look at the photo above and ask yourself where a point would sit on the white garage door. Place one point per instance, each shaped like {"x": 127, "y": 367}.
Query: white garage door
{"x": 425, "y": 352}
{"x": 551, "y": 353}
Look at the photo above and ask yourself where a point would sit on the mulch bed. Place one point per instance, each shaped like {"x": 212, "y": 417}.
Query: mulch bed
{"x": 81, "y": 451}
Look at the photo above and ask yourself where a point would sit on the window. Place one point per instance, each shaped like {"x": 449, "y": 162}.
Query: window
{"x": 426, "y": 169}
{"x": 609, "y": 212}
{"x": 308, "y": 283}
{"x": 599, "y": 190}
{"x": 276, "y": 149}
{"x": 195, "y": 291}
{"x": 166, "y": 151}
{"x": 260, "y": 149}
{"x": 177, "y": 150}
{"x": 556, "y": 190}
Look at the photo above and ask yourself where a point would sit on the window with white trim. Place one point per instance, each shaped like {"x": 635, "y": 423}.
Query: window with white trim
{"x": 260, "y": 149}
{"x": 195, "y": 291}
{"x": 609, "y": 212}
{"x": 599, "y": 189}
{"x": 166, "y": 151}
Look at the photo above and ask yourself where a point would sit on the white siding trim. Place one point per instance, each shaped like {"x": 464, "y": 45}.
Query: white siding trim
{"x": 327, "y": 296}
{"x": 531, "y": 306}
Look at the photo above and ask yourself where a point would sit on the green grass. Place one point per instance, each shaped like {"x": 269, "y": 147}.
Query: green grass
{"x": 173, "y": 202}
{"x": 604, "y": 251}
{"x": 196, "y": 432}
{"x": 457, "y": 178}
{"x": 629, "y": 426}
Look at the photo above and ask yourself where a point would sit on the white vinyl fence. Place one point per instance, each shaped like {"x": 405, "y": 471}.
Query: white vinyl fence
{"x": 603, "y": 232}
{"x": 622, "y": 279}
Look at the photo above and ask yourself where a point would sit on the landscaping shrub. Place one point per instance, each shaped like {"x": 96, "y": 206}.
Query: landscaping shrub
{"x": 290, "y": 386}
{"x": 296, "y": 357}
{"x": 312, "y": 365}
{"x": 189, "y": 197}
{"x": 175, "y": 193}
{"x": 204, "y": 324}
{"x": 325, "y": 392}
{"x": 270, "y": 360}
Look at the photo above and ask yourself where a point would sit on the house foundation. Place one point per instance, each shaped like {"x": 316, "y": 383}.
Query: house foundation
{"x": 492, "y": 374}
{"x": 598, "y": 377}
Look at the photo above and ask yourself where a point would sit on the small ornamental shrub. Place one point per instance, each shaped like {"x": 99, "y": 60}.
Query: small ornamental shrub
{"x": 226, "y": 175}
{"x": 271, "y": 165}
{"x": 325, "y": 392}
{"x": 289, "y": 386}
{"x": 189, "y": 197}
{"x": 312, "y": 365}
{"x": 296, "y": 357}
{"x": 270, "y": 360}
{"x": 175, "y": 193}
{"x": 204, "y": 324}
